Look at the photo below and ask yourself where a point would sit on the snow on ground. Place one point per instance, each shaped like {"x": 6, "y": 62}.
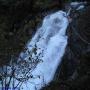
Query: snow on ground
{"x": 78, "y": 5}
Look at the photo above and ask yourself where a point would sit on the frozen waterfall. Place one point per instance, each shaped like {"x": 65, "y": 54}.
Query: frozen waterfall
{"x": 50, "y": 40}
{"x": 37, "y": 65}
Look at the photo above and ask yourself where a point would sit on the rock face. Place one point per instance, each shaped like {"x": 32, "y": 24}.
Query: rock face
{"x": 74, "y": 72}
